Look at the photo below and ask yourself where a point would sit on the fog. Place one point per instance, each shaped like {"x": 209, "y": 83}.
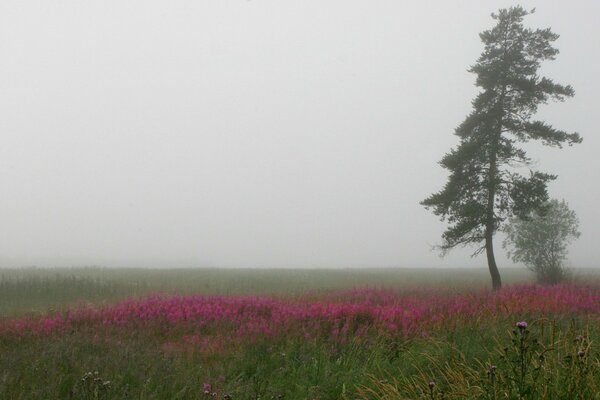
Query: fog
{"x": 260, "y": 133}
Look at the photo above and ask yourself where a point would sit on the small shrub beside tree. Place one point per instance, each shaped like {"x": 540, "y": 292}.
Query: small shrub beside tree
{"x": 540, "y": 240}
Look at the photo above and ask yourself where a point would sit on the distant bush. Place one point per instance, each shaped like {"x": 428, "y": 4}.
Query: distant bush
{"x": 540, "y": 240}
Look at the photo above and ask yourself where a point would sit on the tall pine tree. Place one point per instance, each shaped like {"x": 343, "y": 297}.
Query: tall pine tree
{"x": 484, "y": 188}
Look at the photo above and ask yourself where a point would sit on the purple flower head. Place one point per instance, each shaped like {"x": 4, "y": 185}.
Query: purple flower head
{"x": 522, "y": 325}
{"x": 207, "y": 388}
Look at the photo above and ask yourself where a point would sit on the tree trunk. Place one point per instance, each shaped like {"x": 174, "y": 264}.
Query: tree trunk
{"x": 489, "y": 250}
{"x": 489, "y": 222}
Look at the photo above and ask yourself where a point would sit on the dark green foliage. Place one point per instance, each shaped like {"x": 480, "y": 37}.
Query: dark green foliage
{"x": 483, "y": 188}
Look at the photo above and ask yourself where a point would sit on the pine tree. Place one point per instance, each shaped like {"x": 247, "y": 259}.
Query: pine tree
{"x": 484, "y": 187}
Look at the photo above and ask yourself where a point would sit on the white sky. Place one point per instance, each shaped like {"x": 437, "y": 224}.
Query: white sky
{"x": 259, "y": 133}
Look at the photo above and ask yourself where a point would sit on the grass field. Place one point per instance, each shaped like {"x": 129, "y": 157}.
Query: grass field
{"x": 93, "y": 333}
{"x": 29, "y": 290}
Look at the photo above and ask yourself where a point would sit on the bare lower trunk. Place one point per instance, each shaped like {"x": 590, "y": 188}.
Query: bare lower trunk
{"x": 489, "y": 250}
{"x": 490, "y": 223}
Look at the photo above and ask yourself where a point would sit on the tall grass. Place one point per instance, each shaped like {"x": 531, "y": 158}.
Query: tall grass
{"x": 375, "y": 343}
{"x": 290, "y": 334}
{"x": 35, "y": 290}
{"x": 540, "y": 361}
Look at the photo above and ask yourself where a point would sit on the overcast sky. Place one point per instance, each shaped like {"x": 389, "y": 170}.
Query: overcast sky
{"x": 260, "y": 133}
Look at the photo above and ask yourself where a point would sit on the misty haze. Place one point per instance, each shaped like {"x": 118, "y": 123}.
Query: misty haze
{"x": 262, "y": 199}
{"x": 257, "y": 133}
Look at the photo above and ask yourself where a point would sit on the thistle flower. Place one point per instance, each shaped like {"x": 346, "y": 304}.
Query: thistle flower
{"x": 522, "y": 325}
{"x": 207, "y": 388}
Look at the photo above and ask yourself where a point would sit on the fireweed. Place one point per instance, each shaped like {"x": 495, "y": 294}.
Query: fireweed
{"x": 335, "y": 316}
{"x": 426, "y": 343}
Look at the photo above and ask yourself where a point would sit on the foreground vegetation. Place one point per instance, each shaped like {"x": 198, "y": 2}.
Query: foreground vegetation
{"x": 412, "y": 341}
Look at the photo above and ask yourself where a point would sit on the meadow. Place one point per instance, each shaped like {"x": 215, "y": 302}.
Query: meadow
{"x": 95, "y": 333}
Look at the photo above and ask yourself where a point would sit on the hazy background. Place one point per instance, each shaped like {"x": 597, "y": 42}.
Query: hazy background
{"x": 259, "y": 133}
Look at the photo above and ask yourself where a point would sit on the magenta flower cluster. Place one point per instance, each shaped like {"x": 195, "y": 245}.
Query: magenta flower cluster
{"x": 334, "y": 316}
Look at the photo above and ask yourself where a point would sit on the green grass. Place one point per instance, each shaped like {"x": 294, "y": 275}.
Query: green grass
{"x": 298, "y": 370}
{"x": 35, "y": 290}
{"x": 142, "y": 366}
{"x": 57, "y": 368}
